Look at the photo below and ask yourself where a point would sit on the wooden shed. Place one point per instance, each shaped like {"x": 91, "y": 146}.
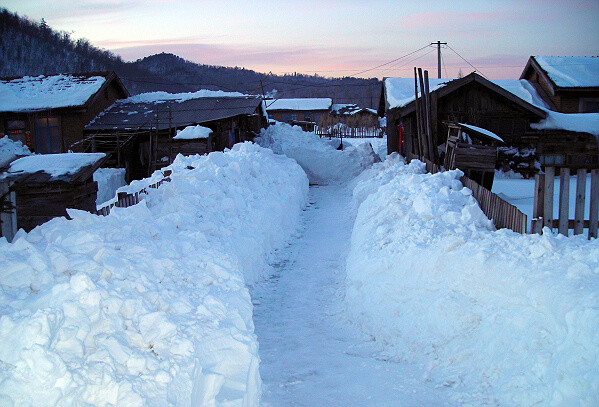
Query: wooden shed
{"x": 304, "y": 112}
{"x": 139, "y": 131}
{"x": 46, "y": 185}
{"x": 48, "y": 113}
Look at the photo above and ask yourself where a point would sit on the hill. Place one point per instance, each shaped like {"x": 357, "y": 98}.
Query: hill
{"x": 33, "y": 48}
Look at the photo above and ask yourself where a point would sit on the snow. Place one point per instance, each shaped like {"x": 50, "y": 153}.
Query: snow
{"x": 582, "y": 122}
{"x": 299, "y": 104}
{"x": 55, "y": 165}
{"x": 149, "y": 305}
{"x": 47, "y": 92}
{"x": 571, "y": 72}
{"x": 9, "y": 150}
{"x": 400, "y": 91}
{"x": 193, "y": 133}
{"x": 321, "y": 161}
{"x": 157, "y": 97}
{"x": 109, "y": 180}
{"x": 486, "y": 132}
{"x": 498, "y": 317}
{"x": 523, "y": 89}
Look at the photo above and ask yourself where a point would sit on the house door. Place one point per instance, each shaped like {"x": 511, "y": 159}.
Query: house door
{"x": 47, "y": 135}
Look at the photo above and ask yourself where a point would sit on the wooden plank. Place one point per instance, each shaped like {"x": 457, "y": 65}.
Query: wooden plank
{"x": 548, "y": 202}
{"x": 564, "y": 200}
{"x": 581, "y": 180}
{"x": 594, "y": 204}
{"x": 537, "y": 210}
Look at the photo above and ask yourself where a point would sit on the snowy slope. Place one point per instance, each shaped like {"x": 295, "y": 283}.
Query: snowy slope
{"x": 502, "y": 318}
{"x": 149, "y": 306}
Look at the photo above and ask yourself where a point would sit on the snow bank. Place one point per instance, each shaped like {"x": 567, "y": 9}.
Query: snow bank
{"x": 505, "y": 319}
{"x": 323, "y": 163}
{"x": 149, "y": 306}
{"x": 9, "y": 150}
{"x": 109, "y": 180}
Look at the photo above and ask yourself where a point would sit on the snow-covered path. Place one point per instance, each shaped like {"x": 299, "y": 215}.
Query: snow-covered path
{"x": 309, "y": 355}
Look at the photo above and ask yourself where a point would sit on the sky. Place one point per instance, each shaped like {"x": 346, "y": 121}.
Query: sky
{"x": 332, "y": 38}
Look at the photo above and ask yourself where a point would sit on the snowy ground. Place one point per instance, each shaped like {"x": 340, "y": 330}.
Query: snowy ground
{"x": 310, "y": 354}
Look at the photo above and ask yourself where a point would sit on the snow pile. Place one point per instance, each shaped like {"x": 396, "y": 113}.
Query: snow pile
{"x": 571, "y": 72}
{"x": 583, "y": 122}
{"x": 193, "y": 133}
{"x": 503, "y": 318}
{"x": 149, "y": 306}
{"x": 9, "y": 150}
{"x": 109, "y": 180}
{"x": 47, "y": 92}
{"x": 323, "y": 163}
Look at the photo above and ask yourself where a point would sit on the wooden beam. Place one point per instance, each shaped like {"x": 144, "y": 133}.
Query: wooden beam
{"x": 548, "y": 202}
{"x": 594, "y": 204}
{"x": 537, "y": 210}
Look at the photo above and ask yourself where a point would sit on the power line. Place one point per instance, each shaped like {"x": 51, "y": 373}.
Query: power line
{"x": 390, "y": 62}
{"x": 475, "y": 68}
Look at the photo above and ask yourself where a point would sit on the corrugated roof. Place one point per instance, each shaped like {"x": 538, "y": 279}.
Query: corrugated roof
{"x": 127, "y": 115}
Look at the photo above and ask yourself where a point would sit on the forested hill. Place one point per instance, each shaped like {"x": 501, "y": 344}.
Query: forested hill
{"x": 33, "y": 48}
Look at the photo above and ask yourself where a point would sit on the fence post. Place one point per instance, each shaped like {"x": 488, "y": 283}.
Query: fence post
{"x": 594, "y": 208}
{"x": 537, "y": 210}
{"x": 548, "y": 204}
{"x": 564, "y": 200}
{"x": 581, "y": 180}
{"x": 8, "y": 211}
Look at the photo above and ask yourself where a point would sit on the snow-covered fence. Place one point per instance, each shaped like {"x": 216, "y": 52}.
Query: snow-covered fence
{"x": 125, "y": 200}
{"x": 502, "y": 213}
{"x": 544, "y": 196}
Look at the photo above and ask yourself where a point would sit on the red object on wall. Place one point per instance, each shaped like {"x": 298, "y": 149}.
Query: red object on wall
{"x": 400, "y": 131}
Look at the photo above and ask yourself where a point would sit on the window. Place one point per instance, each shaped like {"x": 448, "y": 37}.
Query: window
{"x": 15, "y": 130}
{"x": 47, "y": 135}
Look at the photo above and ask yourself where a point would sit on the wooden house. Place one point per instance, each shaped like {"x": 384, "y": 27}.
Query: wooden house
{"x": 139, "y": 131}
{"x": 567, "y": 84}
{"x": 472, "y": 99}
{"x": 48, "y": 113}
{"x": 47, "y": 185}
{"x": 304, "y": 112}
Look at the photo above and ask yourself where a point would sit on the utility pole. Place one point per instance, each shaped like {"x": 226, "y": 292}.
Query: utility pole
{"x": 438, "y": 44}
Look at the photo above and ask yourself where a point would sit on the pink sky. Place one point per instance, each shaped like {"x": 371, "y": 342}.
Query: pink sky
{"x": 333, "y": 38}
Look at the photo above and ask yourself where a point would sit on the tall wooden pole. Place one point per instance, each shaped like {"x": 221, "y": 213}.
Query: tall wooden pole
{"x": 427, "y": 102}
{"x": 438, "y": 44}
{"x": 425, "y": 138}
{"x": 419, "y": 144}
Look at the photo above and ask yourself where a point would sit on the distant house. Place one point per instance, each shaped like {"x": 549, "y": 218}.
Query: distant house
{"x": 48, "y": 113}
{"x": 140, "y": 132}
{"x": 511, "y": 109}
{"x": 567, "y": 84}
{"x": 349, "y": 120}
{"x": 305, "y": 112}
{"x": 46, "y": 185}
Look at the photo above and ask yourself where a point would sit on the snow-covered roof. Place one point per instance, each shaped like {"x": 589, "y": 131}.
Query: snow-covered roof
{"x": 400, "y": 91}
{"x": 349, "y": 109}
{"x": 159, "y": 97}
{"x": 56, "y": 166}
{"x": 193, "y": 133}
{"x": 482, "y": 131}
{"x": 32, "y": 93}
{"x": 300, "y": 104}
{"x": 9, "y": 150}
{"x": 571, "y": 72}
{"x": 579, "y": 122}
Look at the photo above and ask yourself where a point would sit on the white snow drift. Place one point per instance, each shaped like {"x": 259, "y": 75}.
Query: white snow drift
{"x": 503, "y": 318}
{"x": 323, "y": 163}
{"x": 149, "y": 306}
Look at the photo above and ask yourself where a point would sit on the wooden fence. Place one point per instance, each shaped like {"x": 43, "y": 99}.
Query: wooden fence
{"x": 125, "y": 200}
{"x": 503, "y": 214}
{"x": 543, "y": 205}
{"x": 349, "y": 132}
